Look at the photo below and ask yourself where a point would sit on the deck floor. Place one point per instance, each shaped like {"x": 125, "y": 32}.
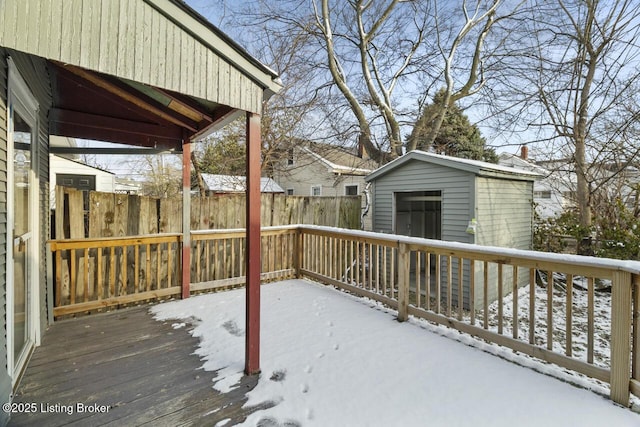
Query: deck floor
{"x": 143, "y": 370}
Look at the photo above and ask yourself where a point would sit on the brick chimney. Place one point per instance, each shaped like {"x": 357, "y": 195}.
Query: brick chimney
{"x": 524, "y": 152}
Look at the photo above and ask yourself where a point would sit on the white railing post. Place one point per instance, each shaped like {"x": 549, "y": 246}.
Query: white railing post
{"x": 620, "y": 337}
{"x": 403, "y": 282}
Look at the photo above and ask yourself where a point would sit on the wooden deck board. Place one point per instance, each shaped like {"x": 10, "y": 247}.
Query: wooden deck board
{"x": 144, "y": 369}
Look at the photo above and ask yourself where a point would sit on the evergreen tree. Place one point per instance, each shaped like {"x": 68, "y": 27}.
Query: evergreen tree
{"x": 457, "y": 136}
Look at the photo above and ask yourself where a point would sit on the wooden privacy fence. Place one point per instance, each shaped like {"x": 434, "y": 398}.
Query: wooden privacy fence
{"x": 116, "y": 215}
{"x": 539, "y": 304}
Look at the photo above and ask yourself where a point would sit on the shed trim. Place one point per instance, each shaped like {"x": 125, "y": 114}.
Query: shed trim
{"x": 473, "y": 166}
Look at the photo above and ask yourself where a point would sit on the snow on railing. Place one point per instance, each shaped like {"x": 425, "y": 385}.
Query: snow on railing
{"x": 570, "y": 310}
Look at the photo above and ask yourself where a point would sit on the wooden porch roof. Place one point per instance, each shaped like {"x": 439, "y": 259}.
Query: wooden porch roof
{"x": 142, "y": 72}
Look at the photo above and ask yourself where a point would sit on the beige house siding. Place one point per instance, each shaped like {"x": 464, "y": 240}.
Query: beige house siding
{"x": 132, "y": 39}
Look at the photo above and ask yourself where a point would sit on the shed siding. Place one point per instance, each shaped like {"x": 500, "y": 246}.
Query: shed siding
{"x": 457, "y": 207}
{"x": 5, "y": 380}
{"x": 456, "y": 187}
{"x": 127, "y": 39}
{"x": 505, "y": 216}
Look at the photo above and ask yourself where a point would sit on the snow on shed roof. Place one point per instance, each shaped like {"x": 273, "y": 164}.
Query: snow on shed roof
{"x": 237, "y": 184}
{"x": 473, "y": 166}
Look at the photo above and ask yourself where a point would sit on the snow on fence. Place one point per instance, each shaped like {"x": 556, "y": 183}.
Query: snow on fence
{"x": 548, "y": 306}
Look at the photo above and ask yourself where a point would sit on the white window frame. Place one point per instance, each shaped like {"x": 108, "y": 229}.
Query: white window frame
{"x": 352, "y": 185}
{"x": 290, "y": 191}
{"x": 319, "y": 187}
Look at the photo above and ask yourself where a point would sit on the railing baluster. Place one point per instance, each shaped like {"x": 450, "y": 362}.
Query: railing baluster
{"x": 99, "y": 272}
{"x": 427, "y": 280}
{"x": 449, "y": 286}
{"x": 460, "y": 287}
{"x": 418, "y": 287}
{"x": 384, "y": 269}
{"x": 590, "y": 319}
{"x": 58, "y": 277}
{"x": 158, "y": 265}
{"x": 438, "y": 283}
{"x": 485, "y": 295}
{"x": 500, "y": 298}
{"x": 393, "y": 280}
{"x": 370, "y": 267}
{"x": 72, "y": 283}
{"x": 549, "y": 310}
{"x": 197, "y": 255}
{"x": 532, "y": 306}
{"x": 514, "y": 291}
{"x": 169, "y": 251}
{"x": 136, "y": 268}
{"x": 112, "y": 272}
{"x": 147, "y": 275}
{"x": 569, "y": 316}
{"x": 635, "y": 362}
{"x": 472, "y": 291}
{"x": 207, "y": 257}
{"x": 86, "y": 274}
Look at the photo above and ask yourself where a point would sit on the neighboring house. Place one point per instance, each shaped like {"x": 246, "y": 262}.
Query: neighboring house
{"x": 553, "y": 192}
{"x": 147, "y": 73}
{"x": 217, "y": 184}
{"x": 75, "y": 174}
{"x": 128, "y": 186}
{"x": 447, "y": 198}
{"x": 316, "y": 169}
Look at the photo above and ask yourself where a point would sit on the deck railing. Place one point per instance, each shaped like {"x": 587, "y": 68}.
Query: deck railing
{"x": 91, "y": 274}
{"x": 548, "y": 306}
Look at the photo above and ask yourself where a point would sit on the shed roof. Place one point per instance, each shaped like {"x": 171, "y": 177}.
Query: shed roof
{"x": 476, "y": 167}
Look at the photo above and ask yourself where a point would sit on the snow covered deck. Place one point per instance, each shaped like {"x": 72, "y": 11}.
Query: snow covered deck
{"x": 328, "y": 358}
{"x": 578, "y": 313}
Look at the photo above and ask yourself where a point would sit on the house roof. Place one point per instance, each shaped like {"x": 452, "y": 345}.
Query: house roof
{"x": 76, "y": 162}
{"x": 472, "y": 166}
{"x": 517, "y": 162}
{"x": 237, "y": 184}
{"x": 339, "y": 160}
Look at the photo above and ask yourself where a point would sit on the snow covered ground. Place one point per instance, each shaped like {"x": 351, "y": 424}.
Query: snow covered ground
{"x": 330, "y": 359}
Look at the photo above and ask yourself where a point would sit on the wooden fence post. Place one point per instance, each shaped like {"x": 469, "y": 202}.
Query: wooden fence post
{"x": 403, "y": 282}
{"x": 620, "y": 337}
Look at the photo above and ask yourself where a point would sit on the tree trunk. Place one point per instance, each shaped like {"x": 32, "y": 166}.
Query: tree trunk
{"x": 196, "y": 169}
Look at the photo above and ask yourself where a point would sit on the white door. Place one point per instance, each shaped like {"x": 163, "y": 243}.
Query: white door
{"x": 22, "y": 233}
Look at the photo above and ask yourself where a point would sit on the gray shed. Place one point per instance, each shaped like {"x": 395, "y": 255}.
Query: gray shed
{"x": 438, "y": 197}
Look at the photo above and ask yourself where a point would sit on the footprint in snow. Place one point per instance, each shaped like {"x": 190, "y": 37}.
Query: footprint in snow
{"x": 231, "y": 327}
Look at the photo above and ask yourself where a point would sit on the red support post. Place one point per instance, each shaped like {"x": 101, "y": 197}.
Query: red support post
{"x": 186, "y": 218}
{"x": 253, "y": 264}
